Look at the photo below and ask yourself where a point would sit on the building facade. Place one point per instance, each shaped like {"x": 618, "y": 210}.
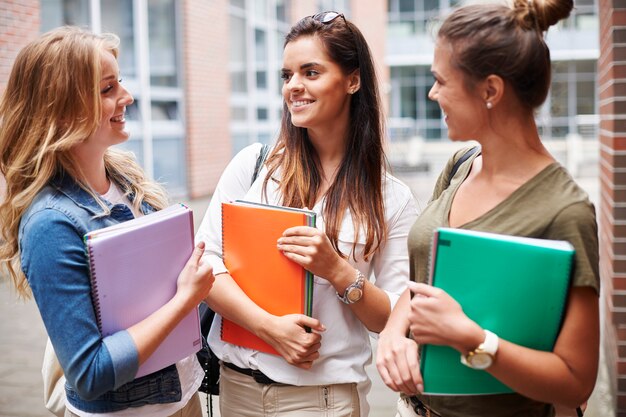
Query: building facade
{"x": 205, "y": 77}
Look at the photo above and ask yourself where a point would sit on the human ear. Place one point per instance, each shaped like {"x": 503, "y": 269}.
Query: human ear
{"x": 492, "y": 90}
{"x": 354, "y": 82}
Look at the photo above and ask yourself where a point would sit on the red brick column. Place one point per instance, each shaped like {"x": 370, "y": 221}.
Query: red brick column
{"x": 371, "y": 18}
{"x": 207, "y": 91}
{"x": 612, "y": 210}
{"x": 19, "y": 24}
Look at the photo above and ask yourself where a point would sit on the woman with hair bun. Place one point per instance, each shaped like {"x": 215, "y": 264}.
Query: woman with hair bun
{"x": 492, "y": 71}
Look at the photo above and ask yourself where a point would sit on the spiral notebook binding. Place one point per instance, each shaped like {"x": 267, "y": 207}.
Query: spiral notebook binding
{"x": 94, "y": 286}
{"x": 224, "y": 261}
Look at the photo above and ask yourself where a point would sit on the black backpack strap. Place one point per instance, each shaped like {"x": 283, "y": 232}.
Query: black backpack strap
{"x": 460, "y": 161}
{"x": 265, "y": 149}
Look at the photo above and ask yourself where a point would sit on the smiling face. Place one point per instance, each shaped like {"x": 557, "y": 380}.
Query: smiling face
{"x": 464, "y": 110}
{"x": 315, "y": 88}
{"x": 113, "y": 100}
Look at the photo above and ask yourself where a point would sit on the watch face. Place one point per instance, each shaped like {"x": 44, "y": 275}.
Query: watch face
{"x": 480, "y": 360}
{"x": 355, "y": 294}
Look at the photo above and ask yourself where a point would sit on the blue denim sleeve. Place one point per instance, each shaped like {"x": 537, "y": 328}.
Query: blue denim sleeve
{"x": 54, "y": 261}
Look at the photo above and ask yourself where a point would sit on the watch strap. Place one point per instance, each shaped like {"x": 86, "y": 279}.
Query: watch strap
{"x": 357, "y": 284}
{"x": 488, "y": 346}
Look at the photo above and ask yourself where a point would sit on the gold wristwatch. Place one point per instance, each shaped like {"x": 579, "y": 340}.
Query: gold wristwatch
{"x": 483, "y": 356}
{"x": 354, "y": 292}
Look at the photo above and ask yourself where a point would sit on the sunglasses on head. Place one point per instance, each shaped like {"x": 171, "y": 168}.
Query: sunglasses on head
{"x": 328, "y": 17}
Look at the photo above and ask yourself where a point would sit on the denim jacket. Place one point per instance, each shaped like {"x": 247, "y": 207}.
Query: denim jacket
{"x": 99, "y": 371}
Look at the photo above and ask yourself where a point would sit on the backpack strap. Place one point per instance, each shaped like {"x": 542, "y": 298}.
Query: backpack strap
{"x": 460, "y": 161}
{"x": 265, "y": 149}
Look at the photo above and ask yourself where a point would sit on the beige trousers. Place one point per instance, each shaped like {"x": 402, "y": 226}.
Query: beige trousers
{"x": 192, "y": 409}
{"x": 241, "y": 396}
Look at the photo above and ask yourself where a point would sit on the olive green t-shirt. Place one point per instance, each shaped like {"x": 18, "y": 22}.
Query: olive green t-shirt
{"x": 548, "y": 206}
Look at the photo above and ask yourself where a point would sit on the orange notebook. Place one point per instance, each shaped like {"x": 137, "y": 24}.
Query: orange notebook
{"x": 279, "y": 286}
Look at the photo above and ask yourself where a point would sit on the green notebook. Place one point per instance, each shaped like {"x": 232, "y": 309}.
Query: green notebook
{"x": 514, "y": 286}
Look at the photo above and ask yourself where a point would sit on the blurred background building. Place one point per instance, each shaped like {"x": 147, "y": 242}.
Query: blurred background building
{"x": 206, "y": 81}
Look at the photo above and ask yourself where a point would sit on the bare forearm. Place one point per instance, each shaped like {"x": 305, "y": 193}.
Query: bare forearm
{"x": 149, "y": 333}
{"x": 398, "y": 321}
{"x": 228, "y": 300}
{"x": 373, "y": 308}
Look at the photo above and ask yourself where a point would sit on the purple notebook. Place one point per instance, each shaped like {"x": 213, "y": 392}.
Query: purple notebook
{"x": 134, "y": 268}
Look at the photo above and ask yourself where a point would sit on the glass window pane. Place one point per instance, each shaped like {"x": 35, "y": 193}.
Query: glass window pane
{"x": 559, "y": 131}
{"x": 261, "y": 113}
{"x": 238, "y": 47}
{"x": 433, "y": 111}
{"x": 134, "y": 145}
{"x": 434, "y": 133}
{"x": 585, "y": 67}
{"x": 132, "y": 111}
{"x": 168, "y": 154}
{"x": 406, "y": 5}
{"x": 240, "y": 141}
{"x": 407, "y": 102}
{"x": 238, "y": 81}
{"x": 558, "y": 99}
{"x": 162, "y": 32}
{"x": 430, "y": 5}
{"x": 117, "y": 17}
{"x": 282, "y": 11}
{"x": 264, "y": 137}
{"x": 261, "y": 80}
{"x": 56, "y": 13}
{"x": 585, "y": 97}
{"x": 260, "y": 9}
{"x": 165, "y": 110}
{"x": 238, "y": 113}
{"x": 260, "y": 45}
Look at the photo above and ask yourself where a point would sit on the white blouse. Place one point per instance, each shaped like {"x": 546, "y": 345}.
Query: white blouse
{"x": 345, "y": 349}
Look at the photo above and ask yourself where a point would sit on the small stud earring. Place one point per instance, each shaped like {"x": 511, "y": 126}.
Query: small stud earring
{"x": 489, "y": 105}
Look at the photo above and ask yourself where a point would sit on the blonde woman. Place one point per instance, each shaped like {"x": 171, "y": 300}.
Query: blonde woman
{"x": 62, "y": 110}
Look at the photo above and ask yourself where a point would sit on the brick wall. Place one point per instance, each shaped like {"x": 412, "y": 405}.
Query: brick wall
{"x": 19, "y": 24}
{"x": 612, "y": 210}
{"x": 207, "y": 89}
{"x": 371, "y": 18}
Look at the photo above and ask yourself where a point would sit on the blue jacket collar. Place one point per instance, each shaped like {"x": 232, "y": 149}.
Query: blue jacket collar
{"x": 68, "y": 186}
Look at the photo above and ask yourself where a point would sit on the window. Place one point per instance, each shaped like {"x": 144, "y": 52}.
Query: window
{"x": 572, "y": 100}
{"x": 117, "y": 17}
{"x": 57, "y": 13}
{"x": 162, "y": 32}
{"x": 238, "y": 53}
{"x": 413, "y": 17}
{"x": 412, "y": 112}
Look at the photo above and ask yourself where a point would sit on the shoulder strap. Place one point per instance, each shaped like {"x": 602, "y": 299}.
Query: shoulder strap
{"x": 460, "y": 161}
{"x": 259, "y": 161}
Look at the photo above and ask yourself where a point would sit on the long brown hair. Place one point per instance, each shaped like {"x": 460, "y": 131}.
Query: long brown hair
{"x": 506, "y": 41}
{"x": 51, "y": 103}
{"x": 358, "y": 185}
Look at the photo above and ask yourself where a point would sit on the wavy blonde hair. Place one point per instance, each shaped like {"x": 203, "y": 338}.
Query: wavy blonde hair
{"x": 52, "y": 103}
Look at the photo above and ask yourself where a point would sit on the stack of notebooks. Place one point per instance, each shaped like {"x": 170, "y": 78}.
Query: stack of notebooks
{"x": 134, "y": 269}
{"x": 516, "y": 287}
{"x": 250, "y": 232}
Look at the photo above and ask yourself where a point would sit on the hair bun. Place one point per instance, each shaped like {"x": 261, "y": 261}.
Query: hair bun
{"x": 541, "y": 14}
